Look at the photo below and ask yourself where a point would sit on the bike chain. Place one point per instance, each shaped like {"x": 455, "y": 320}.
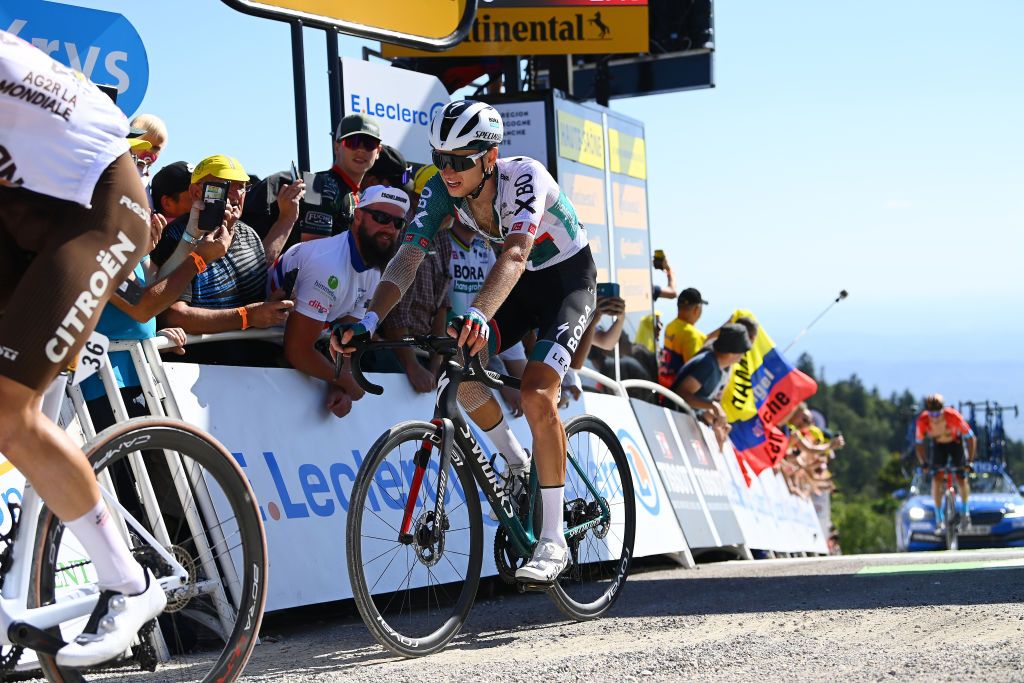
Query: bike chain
{"x": 10, "y": 656}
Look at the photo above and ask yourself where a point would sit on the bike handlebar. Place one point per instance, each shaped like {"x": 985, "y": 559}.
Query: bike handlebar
{"x": 444, "y": 345}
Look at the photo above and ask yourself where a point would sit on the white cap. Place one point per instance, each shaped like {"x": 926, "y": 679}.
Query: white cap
{"x": 382, "y": 194}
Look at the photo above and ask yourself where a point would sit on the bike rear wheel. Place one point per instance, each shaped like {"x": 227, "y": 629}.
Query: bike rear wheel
{"x": 413, "y": 596}
{"x": 952, "y": 537}
{"x": 601, "y": 555}
{"x": 196, "y": 502}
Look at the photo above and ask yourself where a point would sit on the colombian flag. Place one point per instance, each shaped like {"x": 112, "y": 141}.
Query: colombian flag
{"x": 763, "y": 389}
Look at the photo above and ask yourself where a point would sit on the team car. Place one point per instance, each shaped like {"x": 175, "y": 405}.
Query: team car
{"x": 996, "y": 507}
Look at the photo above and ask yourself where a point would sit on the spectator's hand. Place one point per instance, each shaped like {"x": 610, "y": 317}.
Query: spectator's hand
{"x": 717, "y": 412}
{"x": 611, "y": 305}
{"x": 177, "y": 337}
{"x": 269, "y": 313}
{"x": 338, "y": 402}
{"x": 157, "y": 223}
{"x": 420, "y": 378}
{"x": 214, "y": 244}
{"x": 513, "y": 400}
{"x": 837, "y": 442}
{"x": 348, "y": 383}
{"x": 288, "y": 199}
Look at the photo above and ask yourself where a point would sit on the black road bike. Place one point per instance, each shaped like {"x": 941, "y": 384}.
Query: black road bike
{"x": 415, "y": 534}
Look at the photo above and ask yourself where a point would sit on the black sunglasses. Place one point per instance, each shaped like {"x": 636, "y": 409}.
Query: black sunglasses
{"x": 385, "y": 218}
{"x": 458, "y": 163}
{"x": 361, "y": 140}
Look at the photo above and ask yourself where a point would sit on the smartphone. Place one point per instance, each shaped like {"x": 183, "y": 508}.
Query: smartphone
{"x": 295, "y": 173}
{"x": 215, "y": 199}
{"x": 659, "y": 259}
{"x": 608, "y": 289}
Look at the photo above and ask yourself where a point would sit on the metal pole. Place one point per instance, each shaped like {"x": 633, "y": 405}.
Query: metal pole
{"x": 334, "y": 78}
{"x": 299, "y": 80}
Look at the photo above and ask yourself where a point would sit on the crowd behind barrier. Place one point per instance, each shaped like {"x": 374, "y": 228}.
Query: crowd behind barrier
{"x": 691, "y": 494}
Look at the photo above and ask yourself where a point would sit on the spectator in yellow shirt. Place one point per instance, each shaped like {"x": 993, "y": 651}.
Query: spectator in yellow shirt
{"x": 682, "y": 339}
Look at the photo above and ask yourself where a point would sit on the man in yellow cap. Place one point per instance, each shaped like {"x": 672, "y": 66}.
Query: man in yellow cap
{"x": 228, "y": 294}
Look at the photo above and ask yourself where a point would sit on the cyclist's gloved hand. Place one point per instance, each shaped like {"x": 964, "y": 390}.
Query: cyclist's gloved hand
{"x": 471, "y": 330}
{"x": 968, "y": 467}
{"x": 344, "y": 336}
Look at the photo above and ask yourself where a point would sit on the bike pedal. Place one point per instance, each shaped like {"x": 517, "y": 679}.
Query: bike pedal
{"x": 533, "y": 587}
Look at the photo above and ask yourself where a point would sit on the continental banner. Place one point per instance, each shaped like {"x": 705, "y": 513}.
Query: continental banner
{"x": 506, "y": 28}
{"x": 763, "y": 389}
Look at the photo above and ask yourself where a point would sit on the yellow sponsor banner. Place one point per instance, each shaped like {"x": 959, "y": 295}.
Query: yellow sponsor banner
{"x": 581, "y": 140}
{"x": 629, "y": 206}
{"x": 511, "y": 31}
{"x": 432, "y": 19}
{"x": 587, "y": 195}
{"x": 635, "y": 288}
{"x": 628, "y": 154}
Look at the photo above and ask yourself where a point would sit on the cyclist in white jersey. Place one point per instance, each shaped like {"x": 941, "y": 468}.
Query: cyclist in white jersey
{"x": 544, "y": 278}
{"x": 74, "y": 222}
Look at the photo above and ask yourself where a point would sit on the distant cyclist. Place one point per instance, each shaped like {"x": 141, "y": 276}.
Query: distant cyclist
{"x": 950, "y": 434}
{"x": 74, "y": 222}
{"x": 544, "y": 279}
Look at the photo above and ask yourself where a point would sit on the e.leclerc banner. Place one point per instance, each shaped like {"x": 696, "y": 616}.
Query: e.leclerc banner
{"x": 104, "y": 46}
{"x": 763, "y": 389}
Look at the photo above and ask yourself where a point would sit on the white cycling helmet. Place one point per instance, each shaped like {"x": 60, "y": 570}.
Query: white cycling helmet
{"x": 466, "y": 125}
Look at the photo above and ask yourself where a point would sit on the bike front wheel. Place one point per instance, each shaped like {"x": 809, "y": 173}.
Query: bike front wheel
{"x": 414, "y": 593}
{"x": 952, "y": 536}
{"x": 188, "y": 494}
{"x": 597, "y": 473}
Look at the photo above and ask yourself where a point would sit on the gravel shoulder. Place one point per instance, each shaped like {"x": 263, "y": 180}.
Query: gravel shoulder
{"x": 813, "y": 619}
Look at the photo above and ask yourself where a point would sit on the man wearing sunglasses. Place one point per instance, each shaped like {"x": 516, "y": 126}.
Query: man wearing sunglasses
{"x": 328, "y": 208}
{"x": 332, "y": 279}
{"x": 950, "y": 433}
{"x": 544, "y": 278}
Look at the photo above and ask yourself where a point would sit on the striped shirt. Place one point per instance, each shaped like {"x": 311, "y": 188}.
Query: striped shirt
{"x": 237, "y": 279}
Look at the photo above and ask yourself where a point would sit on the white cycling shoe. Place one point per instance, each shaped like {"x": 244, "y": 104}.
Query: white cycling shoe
{"x": 113, "y": 625}
{"x": 549, "y": 560}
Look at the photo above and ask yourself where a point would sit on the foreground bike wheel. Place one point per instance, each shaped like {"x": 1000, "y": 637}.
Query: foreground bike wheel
{"x": 601, "y": 555}
{"x": 414, "y": 597}
{"x": 952, "y": 537}
{"x": 209, "y": 520}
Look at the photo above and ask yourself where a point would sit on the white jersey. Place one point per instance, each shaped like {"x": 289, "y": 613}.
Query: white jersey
{"x": 331, "y": 281}
{"x": 528, "y": 201}
{"x": 468, "y": 268}
{"x": 58, "y": 131}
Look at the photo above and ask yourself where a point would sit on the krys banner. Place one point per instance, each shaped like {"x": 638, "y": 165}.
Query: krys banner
{"x": 762, "y": 391}
{"x": 102, "y": 45}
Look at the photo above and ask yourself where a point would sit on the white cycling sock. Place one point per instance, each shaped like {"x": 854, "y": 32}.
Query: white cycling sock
{"x": 508, "y": 445}
{"x": 553, "y": 528}
{"x": 116, "y": 569}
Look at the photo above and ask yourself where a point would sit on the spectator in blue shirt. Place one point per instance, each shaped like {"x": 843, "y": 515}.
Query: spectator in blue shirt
{"x": 699, "y": 379}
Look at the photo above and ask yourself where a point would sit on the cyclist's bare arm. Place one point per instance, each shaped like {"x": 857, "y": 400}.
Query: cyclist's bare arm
{"x": 504, "y": 275}
{"x": 397, "y": 278}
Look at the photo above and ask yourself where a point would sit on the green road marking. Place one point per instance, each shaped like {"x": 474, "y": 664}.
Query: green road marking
{"x": 922, "y": 568}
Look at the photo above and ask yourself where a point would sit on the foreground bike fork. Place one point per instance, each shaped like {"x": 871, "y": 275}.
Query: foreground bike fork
{"x": 444, "y": 429}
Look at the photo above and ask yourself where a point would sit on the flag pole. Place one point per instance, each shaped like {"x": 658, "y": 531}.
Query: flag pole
{"x": 842, "y": 295}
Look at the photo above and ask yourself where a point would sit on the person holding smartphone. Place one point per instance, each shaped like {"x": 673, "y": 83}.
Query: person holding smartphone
{"x": 660, "y": 262}
{"x": 545, "y": 278}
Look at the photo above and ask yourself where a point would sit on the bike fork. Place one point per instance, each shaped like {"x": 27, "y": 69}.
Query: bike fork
{"x": 421, "y": 459}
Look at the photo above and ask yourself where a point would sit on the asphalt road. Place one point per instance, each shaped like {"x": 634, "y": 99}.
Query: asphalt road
{"x": 928, "y": 616}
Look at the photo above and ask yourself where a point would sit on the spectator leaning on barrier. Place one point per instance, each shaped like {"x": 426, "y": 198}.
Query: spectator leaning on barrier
{"x": 332, "y": 280}
{"x": 228, "y": 294}
{"x": 170, "y": 190}
{"x": 682, "y": 339}
{"x": 700, "y": 378}
{"x": 329, "y": 206}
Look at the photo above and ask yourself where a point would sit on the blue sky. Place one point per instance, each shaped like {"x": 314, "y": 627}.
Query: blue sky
{"x": 872, "y": 146}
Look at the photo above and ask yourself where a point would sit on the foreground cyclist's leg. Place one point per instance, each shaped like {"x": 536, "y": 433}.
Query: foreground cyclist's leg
{"x": 541, "y": 389}
{"x": 81, "y": 260}
{"x": 486, "y": 413}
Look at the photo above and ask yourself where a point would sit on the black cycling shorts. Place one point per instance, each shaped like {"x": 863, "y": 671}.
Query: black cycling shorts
{"x": 559, "y": 302}
{"x": 947, "y": 452}
{"x": 59, "y": 264}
